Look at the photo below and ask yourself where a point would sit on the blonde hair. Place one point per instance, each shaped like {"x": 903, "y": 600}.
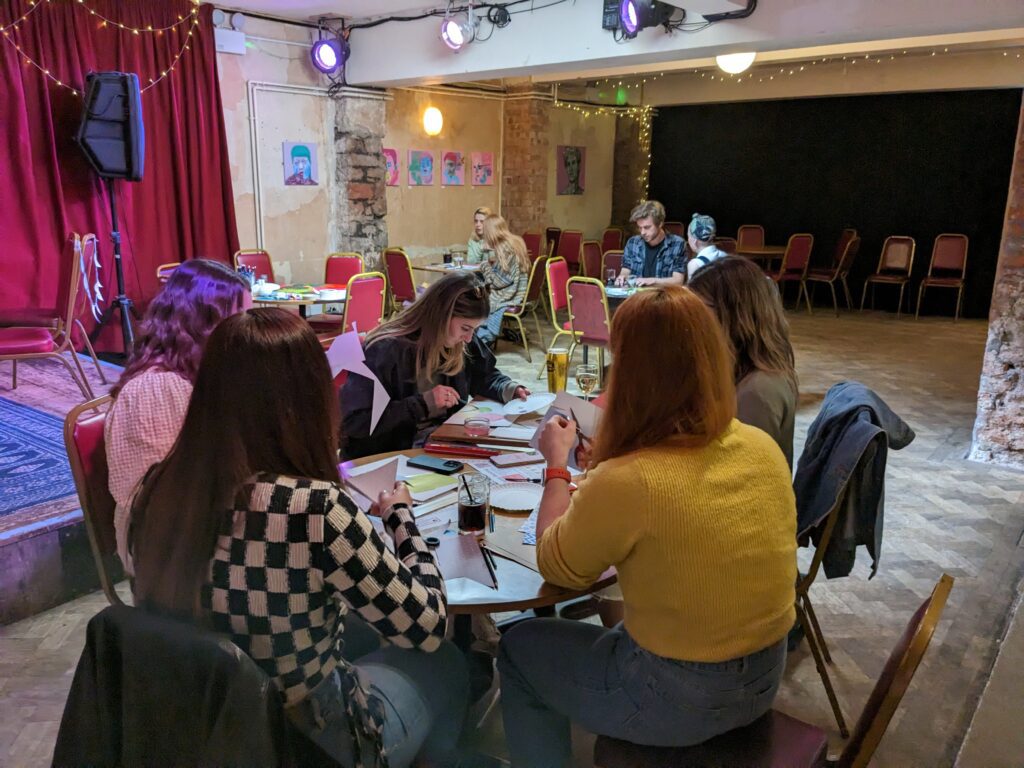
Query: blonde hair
{"x": 484, "y": 211}
{"x": 649, "y": 209}
{"x": 506, "y": 246}
{"x": 426, "y": 322}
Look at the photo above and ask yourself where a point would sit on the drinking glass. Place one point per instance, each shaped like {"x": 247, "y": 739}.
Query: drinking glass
{"x": 477, "y": 426}
{"x": 586, "y": 379}
{"x": 474, "y": 502}
{"x": 609, "y": 277}
{"x": 458, "y": 261}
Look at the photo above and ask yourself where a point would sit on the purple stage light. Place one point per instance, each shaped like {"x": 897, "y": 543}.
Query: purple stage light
{"x": 628, "y": 17}
{"x": 453, "y": 34}
{"x": 330, "y": 55}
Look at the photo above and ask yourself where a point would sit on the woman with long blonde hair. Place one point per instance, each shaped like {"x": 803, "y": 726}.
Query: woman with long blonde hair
{"x": 696, "y": 512}
{"x": 505, "y": 268}
{"x": 749, "y": 309}
{"x": 429, "y": 361}
{"x": 475, "y": 247}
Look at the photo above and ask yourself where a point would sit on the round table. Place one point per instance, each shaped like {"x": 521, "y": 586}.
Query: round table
{"x": 519, "y": 587}
{"x": 302, "y": 303}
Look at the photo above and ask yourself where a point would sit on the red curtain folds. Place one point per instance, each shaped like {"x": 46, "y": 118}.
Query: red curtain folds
{"x": 183, "y": 207}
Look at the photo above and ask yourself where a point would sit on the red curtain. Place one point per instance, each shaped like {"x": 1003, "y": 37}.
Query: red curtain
{"x": 182, "y": 208}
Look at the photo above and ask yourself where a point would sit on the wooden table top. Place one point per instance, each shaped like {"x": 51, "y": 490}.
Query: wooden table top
{"x": 519, "y": 587}
{"x": 303, "y": 302}
{"x": 445, "y": 268}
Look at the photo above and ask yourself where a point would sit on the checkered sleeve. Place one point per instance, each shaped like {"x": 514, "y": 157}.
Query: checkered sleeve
{"x": 402, "y": 596}
{"x": 677, "y": 257}
{"x": 632, "y": 256}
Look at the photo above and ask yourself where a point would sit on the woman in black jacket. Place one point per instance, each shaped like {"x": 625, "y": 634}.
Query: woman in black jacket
{"x": 429, "y": 361}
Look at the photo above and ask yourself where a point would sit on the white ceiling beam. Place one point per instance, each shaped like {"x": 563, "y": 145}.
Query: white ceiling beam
{"x": 563, "y": 40}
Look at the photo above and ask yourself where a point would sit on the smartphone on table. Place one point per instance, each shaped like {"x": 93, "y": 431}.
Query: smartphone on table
{"x": 434, "y": 464}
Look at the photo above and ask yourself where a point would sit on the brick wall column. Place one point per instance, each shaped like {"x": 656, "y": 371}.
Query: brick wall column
{"x": 525, "y": 158}
{"x": 999, "y": 429}
{"x": 361, "y": 204}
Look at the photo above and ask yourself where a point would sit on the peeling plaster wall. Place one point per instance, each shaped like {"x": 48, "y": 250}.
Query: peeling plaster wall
{"x": 297, "y": 225}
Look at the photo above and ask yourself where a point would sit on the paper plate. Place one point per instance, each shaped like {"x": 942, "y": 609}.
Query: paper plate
{"x": 516, "y": 497}
{"x": 532, "y": 404}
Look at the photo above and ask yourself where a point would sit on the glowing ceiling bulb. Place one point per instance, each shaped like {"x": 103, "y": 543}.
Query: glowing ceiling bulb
{"x": 433, "y": 121}
{"x": 734, "y": 63}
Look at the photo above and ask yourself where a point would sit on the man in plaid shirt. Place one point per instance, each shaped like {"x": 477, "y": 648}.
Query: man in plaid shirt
{"x": 654, "y": 256}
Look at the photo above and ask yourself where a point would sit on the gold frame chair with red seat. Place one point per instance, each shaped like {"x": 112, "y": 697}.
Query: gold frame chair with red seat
{"x": 949, "y": 254}
{"x": 895, "y": 263}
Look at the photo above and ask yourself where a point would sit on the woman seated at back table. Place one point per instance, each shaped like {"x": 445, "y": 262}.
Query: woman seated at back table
{"x": 475, "y": 247}
{"x": 696, "y": 511}
{"x": 246, "y": 527}
{"x": 430, "y": 361}
{"x": 505, "y": 269}
{"x": 152, "y": 395}
{"x": 749, "y": 310}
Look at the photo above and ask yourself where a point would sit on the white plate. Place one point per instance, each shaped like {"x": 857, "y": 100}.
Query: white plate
{"x": 532, "y": 404}
{"x": 516, "y": 497}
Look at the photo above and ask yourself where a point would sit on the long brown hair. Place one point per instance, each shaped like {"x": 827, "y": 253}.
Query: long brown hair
{"x": 506, "y": 246}
{"x": 749, "y": 309}
{"x": 263, "y": 402}
{"x": 426, "y": 322}
{"x": 692, "y": 398}
{"x": 198, "y": 295}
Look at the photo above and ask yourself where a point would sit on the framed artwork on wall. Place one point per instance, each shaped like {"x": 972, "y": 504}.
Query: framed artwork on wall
{"x": 421, "y": 168}
{"x": 390, "y": 167}
{"x": 570, "y": 169}
{"x": 453, "y": 169}
{"x": 299, "y": 161}
{"x": 483, "y": 169}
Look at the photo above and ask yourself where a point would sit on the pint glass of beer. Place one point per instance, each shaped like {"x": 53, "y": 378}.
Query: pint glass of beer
{"x": 558, "y": 369}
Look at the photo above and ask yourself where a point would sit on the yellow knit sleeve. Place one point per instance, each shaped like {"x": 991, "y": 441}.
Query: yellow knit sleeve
{"x": 603, "y": 523}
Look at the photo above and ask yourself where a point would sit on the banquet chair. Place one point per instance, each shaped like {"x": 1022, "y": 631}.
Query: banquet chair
{"x": 51, "y": 342}
{"x": 164, "y": 271}
{"x": 557, "y": 271}
{"x": 777, "y": 740}
{"x": 570, "y": 248}
{"x": 338, "y": 270}
{"x": 530, "y": 304}
{"x": 258, "y": 260}
{"x": 551, "y": 235}
{"x": 795, "y": 263}
{"x": 675, "y": 228}
{"x": 611, "y": 239}
{"x": 533, "y": 241}
{"x": 894, "y": 266}
{"x": 949, "y": 257}
{"x": 727, "y": 244}
{"x": 82, "y": 249}
{"x": 612, "y": 260}
{"x": 589, "y": 318}
{"x": 591, "y": 260}
{"x": 401, "y": 285}
{"x": 87, "y": 455}
{"x": 750, "y": 236}
{"x": 365, "y": 297}
{"x": 840, "y": 268}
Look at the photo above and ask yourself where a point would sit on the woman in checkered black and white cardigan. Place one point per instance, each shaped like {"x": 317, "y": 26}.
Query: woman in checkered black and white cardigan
{"x": 245, "y": 526}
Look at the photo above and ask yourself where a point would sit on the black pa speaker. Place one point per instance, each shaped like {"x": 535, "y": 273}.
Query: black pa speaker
{"x": 111, "y": 133}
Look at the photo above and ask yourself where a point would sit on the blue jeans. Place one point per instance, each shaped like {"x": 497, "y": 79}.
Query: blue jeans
{"x": 489, "y": 331}
{"x": 555, "y": 672}
{"x": 425, "y": 696}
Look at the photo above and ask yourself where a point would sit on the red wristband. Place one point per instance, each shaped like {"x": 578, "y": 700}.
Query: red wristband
{"x": 557, "y": 473}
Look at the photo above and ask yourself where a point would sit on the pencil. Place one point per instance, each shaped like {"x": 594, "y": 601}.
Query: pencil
{"x": 490, "y": 566}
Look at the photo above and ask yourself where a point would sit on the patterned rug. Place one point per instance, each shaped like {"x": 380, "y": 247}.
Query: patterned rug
{"x": 33, "y": 463}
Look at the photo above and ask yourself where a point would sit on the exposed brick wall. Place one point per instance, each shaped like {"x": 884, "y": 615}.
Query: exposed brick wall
{"x": 361, "y": 205}
{"x": 526, "y": 156}
{"x": 629, "y": 161}
{"x": 999, "y": 429}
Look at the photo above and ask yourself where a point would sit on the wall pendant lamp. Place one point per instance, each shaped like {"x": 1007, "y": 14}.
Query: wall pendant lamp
{"x": 735, "y": 63}
{"x": 433, "y": 121}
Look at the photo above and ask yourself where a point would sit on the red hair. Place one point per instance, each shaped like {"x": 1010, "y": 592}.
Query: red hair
{"x": 672, "y": 375}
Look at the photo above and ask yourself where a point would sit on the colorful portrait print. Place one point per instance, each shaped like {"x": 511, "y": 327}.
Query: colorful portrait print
{"x": 453, "y": 169}
{"x": 421, "y": 168}
{"x": 570, "y": 169}
{"x": 390, "y": 167}
{"x": 483, "y": 169}
{"x": 299, "y": 160}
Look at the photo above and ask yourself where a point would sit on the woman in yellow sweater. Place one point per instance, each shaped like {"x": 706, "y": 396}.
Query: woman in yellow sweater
{"x": 696, "y": 512}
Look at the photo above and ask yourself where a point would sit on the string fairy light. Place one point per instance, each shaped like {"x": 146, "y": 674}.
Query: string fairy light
{"x": 32, "y": 7}
{"x": 192, "y": 17}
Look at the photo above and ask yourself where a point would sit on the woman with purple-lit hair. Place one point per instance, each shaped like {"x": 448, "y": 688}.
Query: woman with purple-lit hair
{"x": 151, "y": 398}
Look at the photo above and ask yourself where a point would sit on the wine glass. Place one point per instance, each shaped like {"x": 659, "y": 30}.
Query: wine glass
{"x": 586, "y": 379}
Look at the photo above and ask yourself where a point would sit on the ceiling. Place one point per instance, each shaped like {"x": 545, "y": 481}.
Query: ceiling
{"x": 314, "y": 9}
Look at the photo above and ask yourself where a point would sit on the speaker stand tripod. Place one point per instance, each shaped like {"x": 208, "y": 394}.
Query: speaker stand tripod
{"x": 121, "y": 302}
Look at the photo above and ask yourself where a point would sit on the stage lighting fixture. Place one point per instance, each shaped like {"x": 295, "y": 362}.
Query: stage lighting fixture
{"x": 330, "y": 55}
{"x": 734, "y": 63}
{"x": 635, "y": 15}
{"x": 457, "y": 32}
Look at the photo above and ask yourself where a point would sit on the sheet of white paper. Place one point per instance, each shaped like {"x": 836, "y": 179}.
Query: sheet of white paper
{"x": 587, "y": 415}
{"x": 346, "y": 354}
{"x": 380, "y": 477}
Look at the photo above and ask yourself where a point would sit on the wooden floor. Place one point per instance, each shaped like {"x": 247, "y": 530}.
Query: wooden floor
{"x": 943, "y": 514}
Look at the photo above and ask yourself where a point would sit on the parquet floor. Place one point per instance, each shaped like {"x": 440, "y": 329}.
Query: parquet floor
{"x": 943, "y": 514}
